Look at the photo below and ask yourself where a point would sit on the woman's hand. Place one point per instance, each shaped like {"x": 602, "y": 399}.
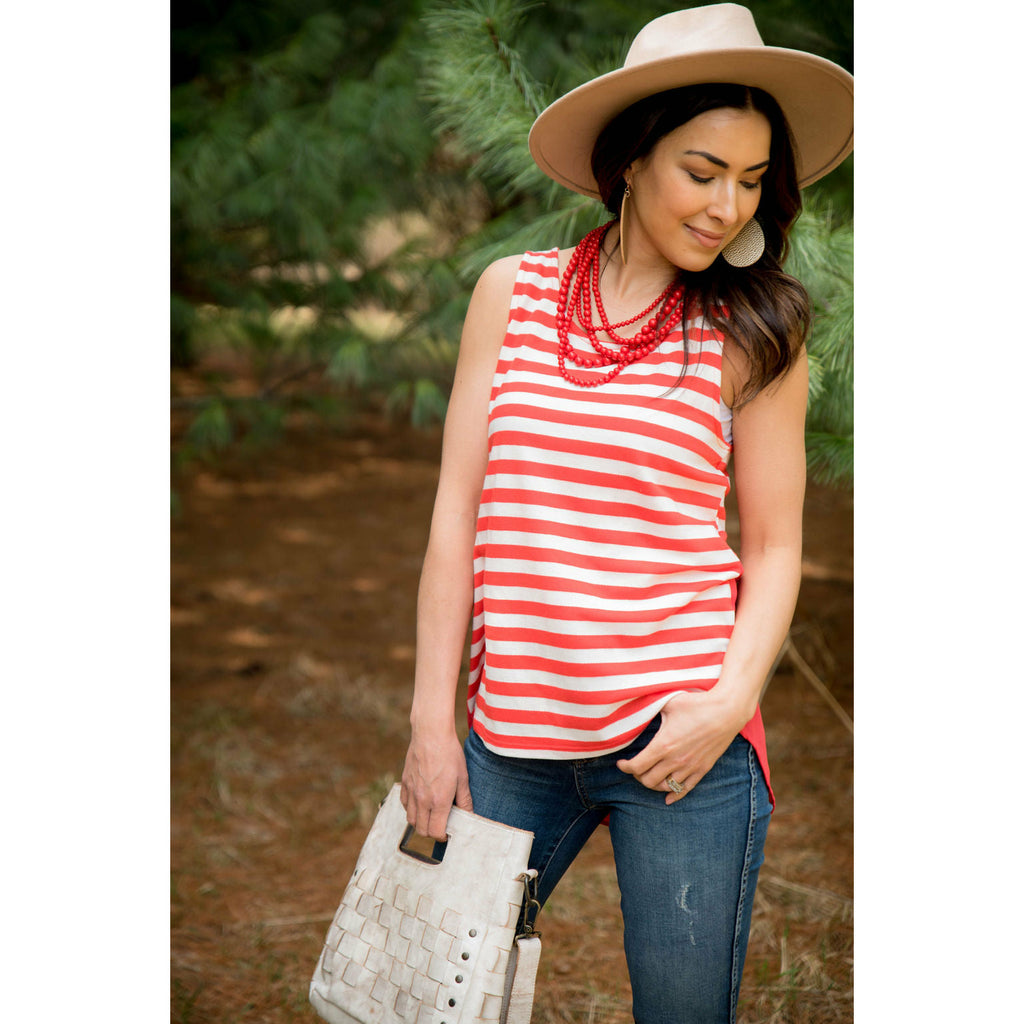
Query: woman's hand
{"x": 434, "y": 779}
{"x": 696, "y": 729}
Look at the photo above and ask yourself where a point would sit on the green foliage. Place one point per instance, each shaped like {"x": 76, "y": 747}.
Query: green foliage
{"x": 422, "y": 399}
{"x": 279, "y": 161}
{"x": 211, "y": 429}
{"x": 301, "y": 128}
{"x": 822, "y": 258}
{"x": 297, "y": 130}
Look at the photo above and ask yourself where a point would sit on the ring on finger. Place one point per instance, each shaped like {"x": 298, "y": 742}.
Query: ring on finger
{"x": 676, "y": 787}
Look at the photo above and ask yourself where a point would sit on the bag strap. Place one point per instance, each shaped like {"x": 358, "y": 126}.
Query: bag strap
{"x": 524, "y": 958}
{"x": 522, "y": 974}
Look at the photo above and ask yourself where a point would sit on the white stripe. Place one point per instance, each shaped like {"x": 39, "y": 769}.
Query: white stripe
{"x": 581, "y": 602}
{"x": 662, "y": 505}
{"x": 669, "y": 678}
{"x": 611, "y": 655}
{"x": 534, "y": 278}
{"x": 620, "y": 524}
{"x": 588, "y": 627}
{"x": 684, "y": 579}
{"x": 595, "y": 552}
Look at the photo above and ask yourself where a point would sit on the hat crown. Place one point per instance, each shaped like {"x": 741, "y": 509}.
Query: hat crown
{"x": 698, "y": 30}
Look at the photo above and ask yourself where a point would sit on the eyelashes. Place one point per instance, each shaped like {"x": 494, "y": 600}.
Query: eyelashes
{"x": 750, "y": 186}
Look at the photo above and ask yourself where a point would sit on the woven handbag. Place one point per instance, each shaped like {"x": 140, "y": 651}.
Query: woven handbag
{"x": 423, "y": 941}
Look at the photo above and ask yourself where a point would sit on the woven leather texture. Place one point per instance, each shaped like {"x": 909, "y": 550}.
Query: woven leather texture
{"x": 423, "y": 943}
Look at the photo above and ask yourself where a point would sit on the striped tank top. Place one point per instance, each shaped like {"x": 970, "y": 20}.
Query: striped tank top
{"x": 603, "y": 580}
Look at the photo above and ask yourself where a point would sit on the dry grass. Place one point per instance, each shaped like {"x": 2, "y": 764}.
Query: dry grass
{"x": 293, "y": 618}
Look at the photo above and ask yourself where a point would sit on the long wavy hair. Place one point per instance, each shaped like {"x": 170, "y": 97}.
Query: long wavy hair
{"x": 765, "y": 311}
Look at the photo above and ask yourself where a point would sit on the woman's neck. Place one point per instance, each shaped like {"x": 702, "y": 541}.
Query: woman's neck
{"x": 631, "y": 286}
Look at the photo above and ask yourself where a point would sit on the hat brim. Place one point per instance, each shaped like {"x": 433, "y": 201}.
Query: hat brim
{"x": 815, "y": 95}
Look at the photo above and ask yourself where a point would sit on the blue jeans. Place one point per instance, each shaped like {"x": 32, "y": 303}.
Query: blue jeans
{"x": 686, "y": 873}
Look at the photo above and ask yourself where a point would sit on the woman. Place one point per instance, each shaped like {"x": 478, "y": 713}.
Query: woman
{"x": 619, "y": 646}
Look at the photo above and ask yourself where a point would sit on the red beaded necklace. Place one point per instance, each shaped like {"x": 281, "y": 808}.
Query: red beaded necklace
{"x": 575, "y": 301}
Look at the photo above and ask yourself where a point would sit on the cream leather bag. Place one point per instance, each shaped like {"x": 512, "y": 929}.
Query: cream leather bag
{"x": 420, "y": 941}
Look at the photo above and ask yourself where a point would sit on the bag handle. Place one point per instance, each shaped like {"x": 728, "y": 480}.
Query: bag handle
{"x": 423, "y": 858}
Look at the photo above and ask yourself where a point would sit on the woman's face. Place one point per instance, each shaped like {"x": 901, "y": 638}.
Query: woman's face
{"x": 692, "y": 194}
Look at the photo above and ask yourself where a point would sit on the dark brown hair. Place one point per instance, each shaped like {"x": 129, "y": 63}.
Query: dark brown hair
{"x": 769, "y": 312}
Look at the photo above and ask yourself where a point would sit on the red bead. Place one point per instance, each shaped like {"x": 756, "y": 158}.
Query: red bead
{"x": 580, "y": 292}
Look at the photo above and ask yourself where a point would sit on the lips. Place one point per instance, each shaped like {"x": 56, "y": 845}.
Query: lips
{"x": 706, "y": 238}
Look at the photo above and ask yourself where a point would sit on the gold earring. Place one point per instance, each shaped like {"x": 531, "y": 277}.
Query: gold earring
{"x": 622, "y": 223}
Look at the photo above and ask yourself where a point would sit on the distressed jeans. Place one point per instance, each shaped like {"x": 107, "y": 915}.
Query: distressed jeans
{"x": 687, "y": 873}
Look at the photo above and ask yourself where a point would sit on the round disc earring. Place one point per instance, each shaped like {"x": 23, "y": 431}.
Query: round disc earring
{"x": 747, "y": 247}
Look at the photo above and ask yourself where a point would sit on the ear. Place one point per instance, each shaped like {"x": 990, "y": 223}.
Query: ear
{"x": 634, "y": 170}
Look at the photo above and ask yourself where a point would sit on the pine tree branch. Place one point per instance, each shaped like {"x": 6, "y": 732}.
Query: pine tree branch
{"x": 265, "y": 394}
{"x": 823, "y": 691}
{"x": 508, "y": 58}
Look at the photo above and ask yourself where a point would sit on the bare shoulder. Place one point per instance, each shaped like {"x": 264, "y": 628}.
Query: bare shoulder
{"x": 487, "y": 317}
{"x": 497, "y": 282}
{"x": 483, "y": 330}
{"x": 736, "y": 373}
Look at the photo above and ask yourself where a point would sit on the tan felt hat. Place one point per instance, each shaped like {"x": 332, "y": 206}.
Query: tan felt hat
{"x": 719, "y": 43}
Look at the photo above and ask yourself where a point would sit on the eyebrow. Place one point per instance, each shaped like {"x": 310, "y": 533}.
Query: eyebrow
{"x": 721, "y": 163}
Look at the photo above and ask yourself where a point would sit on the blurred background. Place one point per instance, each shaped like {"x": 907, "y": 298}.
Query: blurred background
{"x": 340, "y": 174}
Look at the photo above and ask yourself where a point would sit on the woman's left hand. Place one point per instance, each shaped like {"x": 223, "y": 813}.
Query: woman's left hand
{"x": 696, "y": 729}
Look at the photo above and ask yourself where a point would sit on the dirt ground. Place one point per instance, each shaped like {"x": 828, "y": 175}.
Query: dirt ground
{"x": 294, "y": 578}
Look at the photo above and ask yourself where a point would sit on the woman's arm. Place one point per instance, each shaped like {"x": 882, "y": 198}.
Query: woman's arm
{"x": 435, "y": 776}
{"x": 770, "y": 474}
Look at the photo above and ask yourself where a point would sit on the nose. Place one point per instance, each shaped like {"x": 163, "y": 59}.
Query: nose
{"x": 723, "y": 206}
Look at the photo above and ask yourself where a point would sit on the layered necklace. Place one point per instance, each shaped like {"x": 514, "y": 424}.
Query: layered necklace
{"x": 580, "y": 293}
